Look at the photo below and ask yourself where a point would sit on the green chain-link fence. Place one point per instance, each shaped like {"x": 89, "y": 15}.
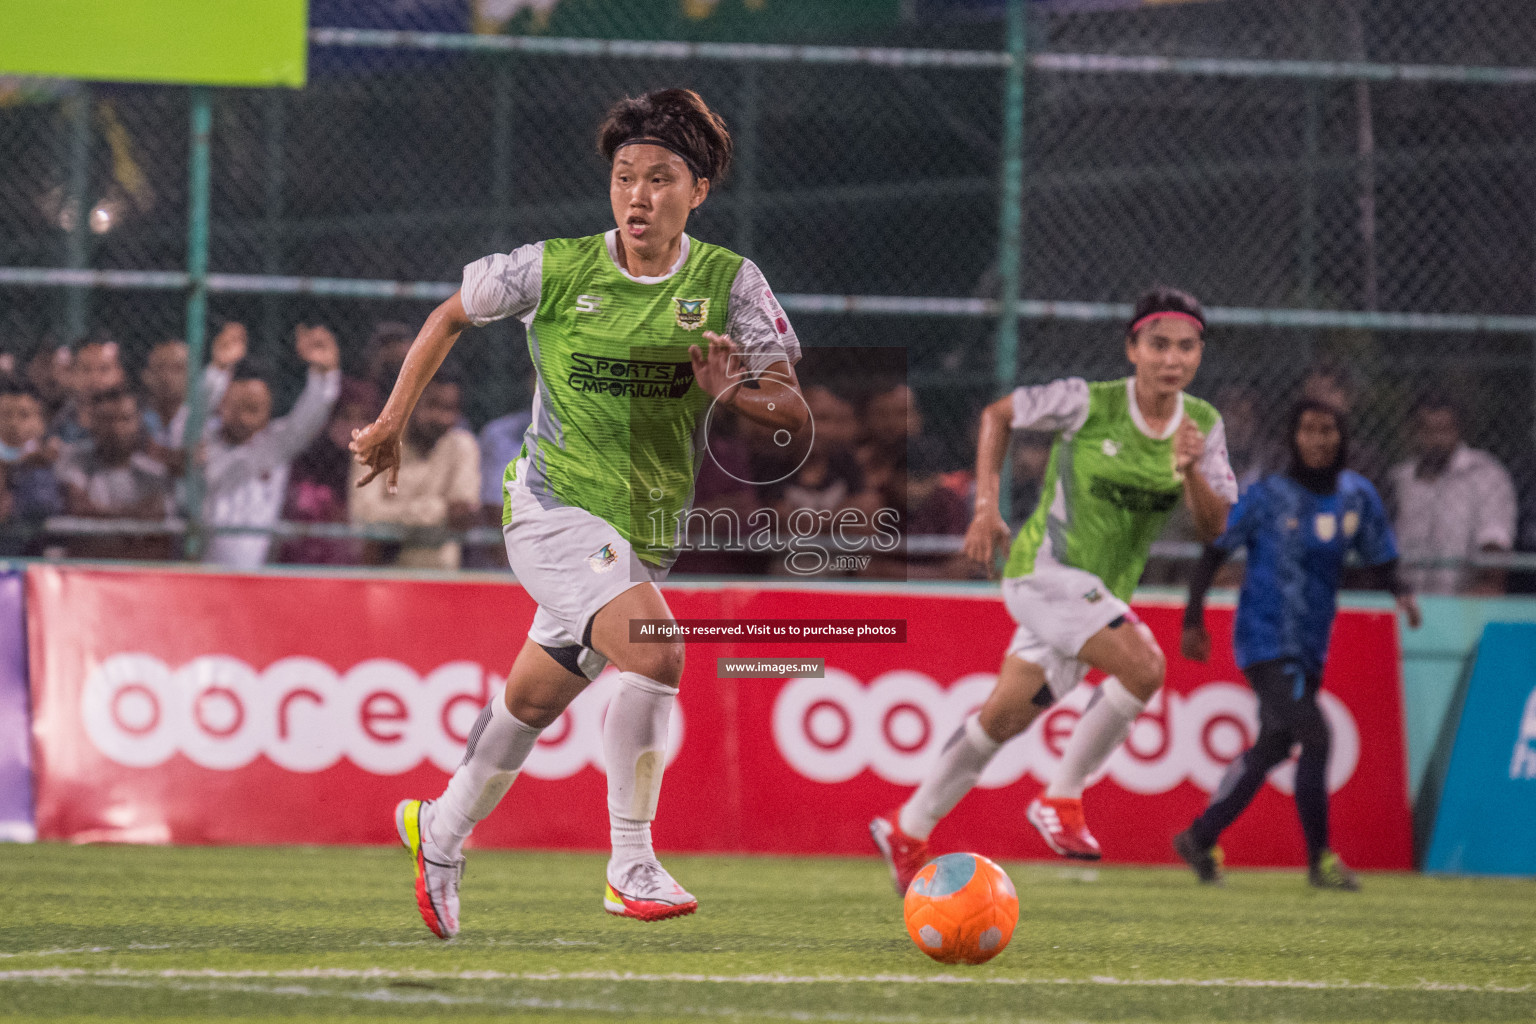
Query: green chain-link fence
{"x": 1341, "y": 182}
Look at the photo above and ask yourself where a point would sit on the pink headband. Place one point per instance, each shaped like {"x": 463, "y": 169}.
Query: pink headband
{"x": 1169, "y": 313}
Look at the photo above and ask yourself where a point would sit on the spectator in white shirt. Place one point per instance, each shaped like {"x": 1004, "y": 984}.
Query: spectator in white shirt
{"x": 249, "y": 452}
{"x": 1452, "y": 502}
{"x": 438, "y": 486}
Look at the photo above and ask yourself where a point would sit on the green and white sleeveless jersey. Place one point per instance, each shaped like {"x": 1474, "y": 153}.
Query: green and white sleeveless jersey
{"x": 1110, "y": 484}
{"x": 617, "y": 416}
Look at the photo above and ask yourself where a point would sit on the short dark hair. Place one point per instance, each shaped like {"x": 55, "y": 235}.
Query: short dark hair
{"x": 1163, "y": 299}
{"x": 387, "y": 332}
{"x": 679, "y": 119}
{"x": 13, "y": 386}
{"x": 247, "y": 369}
{"x": 113, "y": 395}
{"x": 1436, "y": 401}
{"x": 449, "y": 373}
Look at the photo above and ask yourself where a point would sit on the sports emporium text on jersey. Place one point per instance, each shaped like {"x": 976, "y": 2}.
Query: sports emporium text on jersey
{"x": 629, "y": 378}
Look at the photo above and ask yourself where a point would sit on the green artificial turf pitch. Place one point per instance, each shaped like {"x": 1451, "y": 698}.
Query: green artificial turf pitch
{"x": 142, "y": 933}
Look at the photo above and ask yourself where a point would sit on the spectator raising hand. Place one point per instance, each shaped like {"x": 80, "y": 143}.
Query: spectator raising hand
{"x": 317, "y": 347}
{"x": 249, "y": 452}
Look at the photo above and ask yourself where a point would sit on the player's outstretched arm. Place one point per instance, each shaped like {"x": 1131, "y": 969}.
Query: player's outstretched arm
{"x": 988, "y": 531}
{"x": 377, "y": 446}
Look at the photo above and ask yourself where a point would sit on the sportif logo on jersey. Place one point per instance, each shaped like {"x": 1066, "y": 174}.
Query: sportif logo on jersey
{"x": 303, "y": 716}
{"x": 629, "y": 378}
{"x": 1110, "y": 447}
{"x": 832, "y": 729}
{"x": 691, "y": 313}
{"x": 1133, "y": 499}
{"x": 589, "y": 303}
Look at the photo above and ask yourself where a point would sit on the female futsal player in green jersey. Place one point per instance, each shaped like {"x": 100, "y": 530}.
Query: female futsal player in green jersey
{"x": 606, "y": 473}
{"x": 1125, "y": 452}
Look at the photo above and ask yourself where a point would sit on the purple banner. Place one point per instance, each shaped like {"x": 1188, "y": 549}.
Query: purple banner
{"x": 16, "y": 823}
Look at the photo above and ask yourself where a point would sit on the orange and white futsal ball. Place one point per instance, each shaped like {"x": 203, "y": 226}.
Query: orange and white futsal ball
{"x": 961, "y": 908}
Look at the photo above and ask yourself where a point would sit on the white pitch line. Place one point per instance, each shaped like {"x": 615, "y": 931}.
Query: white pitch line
{"x": 520, "y": 1003}
{"x": 387, "y": 974}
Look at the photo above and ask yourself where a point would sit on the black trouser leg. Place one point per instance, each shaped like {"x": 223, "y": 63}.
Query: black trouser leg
{"x": 1241, "y": 784}
{"x": 1312, "y": 778}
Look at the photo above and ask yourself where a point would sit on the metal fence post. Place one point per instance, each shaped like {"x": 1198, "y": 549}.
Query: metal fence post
{"x": 197, "y": 309}
{"x": 1010, "y": 257}
{"x": 75, "y": 211}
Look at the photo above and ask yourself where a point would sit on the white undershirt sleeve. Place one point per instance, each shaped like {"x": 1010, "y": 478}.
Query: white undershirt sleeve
{"x": 757, "y": 323}
{"x": 1215, "y": 466}
{"x": 1061, "y": 405}
{"x": 503, "y": 284}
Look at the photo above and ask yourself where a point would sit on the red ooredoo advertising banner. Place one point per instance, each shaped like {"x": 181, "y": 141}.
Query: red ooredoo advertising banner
{"x": 200, "y": 708}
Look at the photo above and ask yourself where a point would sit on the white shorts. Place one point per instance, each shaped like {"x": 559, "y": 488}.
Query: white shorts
{"x": 1058, "y": 608}
{"x": 572, "y": 563}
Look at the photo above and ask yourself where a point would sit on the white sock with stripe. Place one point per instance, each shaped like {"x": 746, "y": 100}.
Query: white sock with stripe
{"x": 1103, "y": 727}
{"x": 498, "y": 745}
{"x": 634, "y": 754}
{"x": 961, "y": 763}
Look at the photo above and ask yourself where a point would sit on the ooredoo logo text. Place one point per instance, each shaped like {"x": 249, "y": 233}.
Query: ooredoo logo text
{"x": 303, "y": 715}
{"x": 832, "y": 729}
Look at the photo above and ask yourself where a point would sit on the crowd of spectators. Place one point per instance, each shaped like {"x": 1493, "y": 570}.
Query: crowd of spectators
{"x": 80, "y": 444}
{"x": 93, "y": 467}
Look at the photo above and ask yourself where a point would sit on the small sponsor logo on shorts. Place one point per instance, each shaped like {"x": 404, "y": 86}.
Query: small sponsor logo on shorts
{"x": 604, "y": 559}
{"x": 1093, "y": 596}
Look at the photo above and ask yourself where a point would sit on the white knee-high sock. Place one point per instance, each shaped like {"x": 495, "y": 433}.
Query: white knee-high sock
{"x": 498, "y": 745}
{"x": 1103, "y": 727}
{"x": 634, "y": 753}
{"x": 961, "y": 763}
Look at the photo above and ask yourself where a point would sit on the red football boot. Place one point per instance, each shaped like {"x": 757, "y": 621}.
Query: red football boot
{"x": 1062, "y": 826}
{"x": 905, "y": 854}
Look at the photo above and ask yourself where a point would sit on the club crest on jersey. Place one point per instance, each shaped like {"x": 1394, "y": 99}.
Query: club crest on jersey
{"x": 1110, "y": 447}
{"x": 604, "y": 559}
{"x": 1325, "y": 525}
{"x": 1351, "y": 523}
{"x": 691, "y": 313}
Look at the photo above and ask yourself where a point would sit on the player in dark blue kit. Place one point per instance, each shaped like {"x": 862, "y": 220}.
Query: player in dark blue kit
{"x": 1297, "y": 526}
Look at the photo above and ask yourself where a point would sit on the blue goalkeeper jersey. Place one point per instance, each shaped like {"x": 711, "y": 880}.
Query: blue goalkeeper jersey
{"x": 1297, "y": 541}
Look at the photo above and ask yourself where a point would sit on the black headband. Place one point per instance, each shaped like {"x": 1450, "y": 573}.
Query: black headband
{"x": 646, "y": 140}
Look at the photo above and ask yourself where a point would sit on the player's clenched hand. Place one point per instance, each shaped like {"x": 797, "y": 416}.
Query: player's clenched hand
{"x": 984, "y": 536}
{"x": 1195, "y": 644}
{"x": 1188, "y": 445}
{"x": 1410, "y": 608}
{"x": 378, "y": 448}
{"x": 712, "y": 369}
